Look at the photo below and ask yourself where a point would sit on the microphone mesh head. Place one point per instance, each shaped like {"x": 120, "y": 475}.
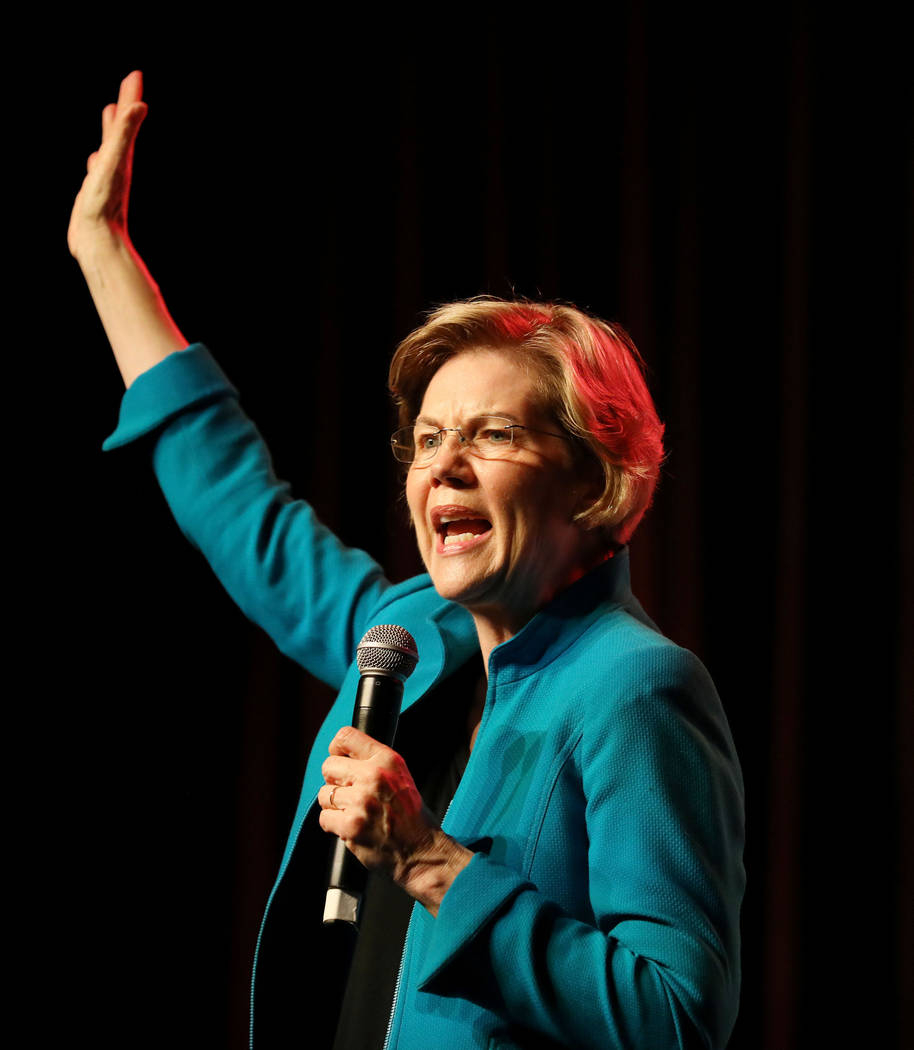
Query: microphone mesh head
{"x": 388, "y": 649}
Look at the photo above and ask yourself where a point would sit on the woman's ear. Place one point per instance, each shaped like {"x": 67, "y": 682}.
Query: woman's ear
{"x": 589, "y": 486}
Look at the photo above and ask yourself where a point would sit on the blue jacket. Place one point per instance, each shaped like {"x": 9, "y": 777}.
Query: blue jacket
{"x": 603, "y": 796}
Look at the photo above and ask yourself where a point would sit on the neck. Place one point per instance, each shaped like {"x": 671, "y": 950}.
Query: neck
{"x": 492, "y": 631}
{"x": 495, "y": 625}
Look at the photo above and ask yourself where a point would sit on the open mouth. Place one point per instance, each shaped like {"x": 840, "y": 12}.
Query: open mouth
{"x": 457, "y": 530}
{"x": 454, "y": 532}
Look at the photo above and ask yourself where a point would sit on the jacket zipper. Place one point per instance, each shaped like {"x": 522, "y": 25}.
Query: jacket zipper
{"x": 393, "y": 1006}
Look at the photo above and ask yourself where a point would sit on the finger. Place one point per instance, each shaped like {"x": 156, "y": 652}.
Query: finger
{"x": 354, "y": 743}
{"x": 345, "y": 818}
{"x": 333, "y": 821}
{"x": 131, "y": 90}
{"x": 118, "y": 143}
{"x": 108, "y": 115}
{"x": 129, "y": 110}
{"x": 132, "y": 120}
{"x": 337, "y": 769}
{"x": 329, "y": 797}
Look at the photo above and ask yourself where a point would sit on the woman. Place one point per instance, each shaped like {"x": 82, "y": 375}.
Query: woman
{"x": 573, "y": 844}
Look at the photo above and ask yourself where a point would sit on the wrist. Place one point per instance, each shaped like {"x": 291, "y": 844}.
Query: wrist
{"x": 135, "y": 318}
{"x": 98, "y": 244}
{"x": 429, "y": 872}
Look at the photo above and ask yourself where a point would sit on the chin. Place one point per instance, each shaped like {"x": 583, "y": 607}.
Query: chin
{"x": 464, "y": 589}
{"x": 453, "y": 590}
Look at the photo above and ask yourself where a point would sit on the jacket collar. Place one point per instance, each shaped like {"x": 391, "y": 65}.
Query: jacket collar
{"x": 560, "y": 623}
{"x": 447, "y": 637}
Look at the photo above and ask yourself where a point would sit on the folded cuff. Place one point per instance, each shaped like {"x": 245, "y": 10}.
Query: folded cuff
{"x": 164, "y": 391}
{"x": 479, "y": 893}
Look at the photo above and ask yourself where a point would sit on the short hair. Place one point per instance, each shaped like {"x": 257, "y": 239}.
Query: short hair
{"x": 588, "y": 374}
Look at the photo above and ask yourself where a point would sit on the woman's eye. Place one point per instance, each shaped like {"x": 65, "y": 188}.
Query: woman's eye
{"x": 427, "y": 440}
{"x": 494, "y": 436}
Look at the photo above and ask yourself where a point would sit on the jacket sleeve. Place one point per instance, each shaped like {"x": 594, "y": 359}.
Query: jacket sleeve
{"x": 286, "y": 571}
{"x": 657, "y": 964}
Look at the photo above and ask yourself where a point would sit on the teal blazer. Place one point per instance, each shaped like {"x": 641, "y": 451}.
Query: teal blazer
{"x": 603, "y": 798}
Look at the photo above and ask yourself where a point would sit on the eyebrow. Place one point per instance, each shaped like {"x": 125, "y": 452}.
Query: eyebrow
{"x": 432, "y": 422}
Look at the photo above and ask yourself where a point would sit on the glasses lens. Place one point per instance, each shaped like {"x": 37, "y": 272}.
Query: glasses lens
{"x": 425, "y": 441}
{"x": 402, "y": 445}
{"x": 487, "y": 436}
{"x": 492, "y": 435}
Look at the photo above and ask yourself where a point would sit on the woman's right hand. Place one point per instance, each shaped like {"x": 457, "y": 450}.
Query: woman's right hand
{"x": 136, "y": 320}
{"x": 100, "y": 208}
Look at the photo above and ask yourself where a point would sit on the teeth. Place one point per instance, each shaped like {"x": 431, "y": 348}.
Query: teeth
{"x": 462, "y": 537}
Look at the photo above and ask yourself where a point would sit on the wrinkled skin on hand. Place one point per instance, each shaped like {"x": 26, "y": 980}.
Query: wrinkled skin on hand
{"x": 377, "y": 809}
{"x": 378, "y": 812}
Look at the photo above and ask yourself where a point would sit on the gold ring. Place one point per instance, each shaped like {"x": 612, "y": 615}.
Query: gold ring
{"x": 332, "y": 793}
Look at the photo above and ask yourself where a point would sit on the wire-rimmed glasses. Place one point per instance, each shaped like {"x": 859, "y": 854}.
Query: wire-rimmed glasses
{"x": 485, "y": 436}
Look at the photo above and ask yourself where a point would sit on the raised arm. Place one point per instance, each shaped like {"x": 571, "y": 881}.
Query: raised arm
{"x": 283, "y": 568}
{"x": 136, "y": 320}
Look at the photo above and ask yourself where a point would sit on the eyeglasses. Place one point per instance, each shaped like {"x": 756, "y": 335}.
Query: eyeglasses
{"x": 486, "y": 436}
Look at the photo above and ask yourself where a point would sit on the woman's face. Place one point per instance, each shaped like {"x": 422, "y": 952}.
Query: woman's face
{"x": 496, "y": 535}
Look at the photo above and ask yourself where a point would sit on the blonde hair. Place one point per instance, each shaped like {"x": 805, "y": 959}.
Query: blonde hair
{"x": 588, "y": 374}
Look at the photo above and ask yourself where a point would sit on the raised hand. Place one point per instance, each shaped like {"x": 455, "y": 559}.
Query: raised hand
{"x": 100, "y": 208}
{"x": 136, "y": 320}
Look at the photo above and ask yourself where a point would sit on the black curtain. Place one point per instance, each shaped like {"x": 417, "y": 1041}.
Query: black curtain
{"x": 732, "y": 186}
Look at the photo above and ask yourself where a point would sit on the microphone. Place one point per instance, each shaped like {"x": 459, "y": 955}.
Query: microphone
{"x": 386, "y": 657}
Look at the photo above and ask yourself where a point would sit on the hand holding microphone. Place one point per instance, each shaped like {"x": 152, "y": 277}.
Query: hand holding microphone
{"x": 368, "y": 784}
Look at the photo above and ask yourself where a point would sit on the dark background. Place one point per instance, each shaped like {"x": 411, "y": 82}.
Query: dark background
{"x": 734, "y": 188}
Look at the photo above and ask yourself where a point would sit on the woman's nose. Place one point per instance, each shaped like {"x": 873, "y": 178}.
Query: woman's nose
{"x": 452, "y": 462}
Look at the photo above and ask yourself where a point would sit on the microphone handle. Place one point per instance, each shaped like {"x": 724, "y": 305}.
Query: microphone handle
{"x": 377, "y": 706}
{"x": 376, "y": 711}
